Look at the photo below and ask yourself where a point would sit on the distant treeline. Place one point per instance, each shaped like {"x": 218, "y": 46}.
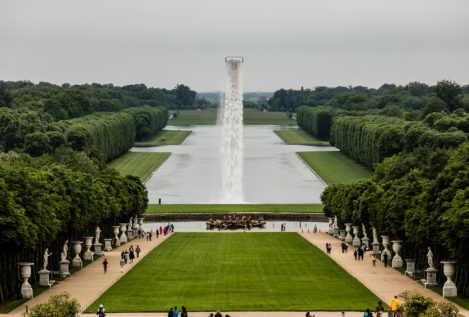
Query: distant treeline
{"x": 63, "y": 196}
{"x": 71, "y": 101}
{"x": 414, "y": 96}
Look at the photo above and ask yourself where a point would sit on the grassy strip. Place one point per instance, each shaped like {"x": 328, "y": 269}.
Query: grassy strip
{"x": 209, "y": 117}
{"x": 299, "y": 137}
{"x": 186, "y": 208}
{"x": 172, "y": 137}
{"x": 335, "y": 167}
{"x": 236, "y": 272}
{"x": 141, "y": 164}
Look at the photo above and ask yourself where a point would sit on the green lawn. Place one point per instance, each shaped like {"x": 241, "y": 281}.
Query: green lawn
{"x": 209, "y": 117}
{"x": 154, "y": 209}
{"x": 300, "y": 137}
{"x": 236, "y": 272}
{"x": 173, "y": 137}
{"x": 335, "y": 167}
{"x": 141, "y": 164}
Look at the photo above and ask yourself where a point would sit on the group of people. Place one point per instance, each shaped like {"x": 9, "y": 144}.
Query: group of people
{"x": 283, "y": 227}
{"x": 344, "y": 247}
{"x": 174, "y": 312}
{"x": 358, "y": 254}
{"x": 129, "y": 256}
{"x": 328, "y": 247}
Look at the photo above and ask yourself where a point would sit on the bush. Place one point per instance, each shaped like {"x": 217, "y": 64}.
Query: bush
{"x": 60, "y": 305}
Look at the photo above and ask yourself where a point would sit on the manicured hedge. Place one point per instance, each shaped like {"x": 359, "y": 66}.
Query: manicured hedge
{"x": 148, "y": 121}
{"x": 370, "y": 139}
{"x": 317, "y": 120}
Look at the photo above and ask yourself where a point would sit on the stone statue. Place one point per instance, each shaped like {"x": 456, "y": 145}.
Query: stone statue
{"x": 129, "y": 227}
{"x": 375, "y": 235}
{"x": 64, "y": 253}
{"x": 46, "y": 259}
{"x": 336, "y": 225}
{"x": 364, "y": 231}
{"x": 430, "y": 258}
{"x": 98, "y": 234}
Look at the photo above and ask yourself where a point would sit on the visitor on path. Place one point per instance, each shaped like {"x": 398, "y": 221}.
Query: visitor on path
{"x": 373, "y": 257}
{"x": 101, "y": 311}
{"x": 131, "y": 256}
{"x": 137, "y": 250}
{"x": 328, "y": 248}
{"x": 161, "y": 230}
{"x": 172, "y": 228}
{"x": 309, "y": 315}
{"x": 157, "y": 234}
{"x": 379, "y": 309}
{"x": 367, "y": 313}
{"x": 218, "y": 314}
{"x": 315, "y": 229}
{"x": 126, "y": 256}
{"x": 171, "y": 313}
{"x": 385, "y": 259}
{"x": 105, "y": 265}
{"x": 122, "y": 263}
{"x": 184, "y": 312}
{"x": 122, "y": 254}
{"x": 148, "y": 236}
{"x": 355, "y": 254}
{"x": 360, "y": 253}
{"x": 343, "y": 314}
{"x": 151, "y": 235}
{"x": 159, "y": 201}
{"x": 395, "y": 305}
{"x": 176, "y": 311}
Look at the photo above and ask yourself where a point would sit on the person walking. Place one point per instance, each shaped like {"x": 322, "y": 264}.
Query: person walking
{"x": 355, "y": 254}
{"x": 373, "y": 257}
{"x": 131, "y": 256}
{"x": 105, "y": 265}
{"x": 157, "y": 233}
{"x": 395, "y": 305}
{"x": 379, "y": 310}
{"x": 137, "y": 250}
{"x": 148, "y": 236}
{"x": 170, "y": 313}
{"x": 101, "y": 311}
{"x": 385, "y": 259}
{"x": 122, "y": 263}
{"x": 218, "y": 314}
{"x": 176, "y": 311}
{"x": 126, "y": 256}
{"x": 184, "y": 312}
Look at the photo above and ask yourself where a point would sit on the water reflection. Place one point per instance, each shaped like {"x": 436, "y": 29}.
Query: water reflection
{"x": 269, "y": 226}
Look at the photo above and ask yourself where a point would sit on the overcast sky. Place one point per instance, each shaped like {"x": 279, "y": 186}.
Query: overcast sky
{"x": 285, "y": 44}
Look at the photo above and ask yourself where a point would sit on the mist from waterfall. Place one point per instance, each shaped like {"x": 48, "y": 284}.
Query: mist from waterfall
{"x": 232, "y": 134}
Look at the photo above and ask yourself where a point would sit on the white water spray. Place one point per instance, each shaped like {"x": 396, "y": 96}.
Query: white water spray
{"x": 232, "y": 133}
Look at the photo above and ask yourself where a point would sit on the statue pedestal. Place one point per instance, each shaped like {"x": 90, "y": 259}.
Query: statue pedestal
{"x": 396, "y": 247}
{"x": 130, "y": 234}
{"x": 336, "y": 232}
{"x": 135, "y": 232}
{"x": 356, "y": 242}
{"x": 97, "y": 249}
{"x": 107, "y": 244}
{"x": 88, "y": 256}
{"x": 375, "y": 248}
{"x": 366, "y": 242}
{"x": 410, "y": 267}
{"x": 431, "y": 277}
{"x": 77, "y": 263}
{"x": 123, "y": 238}
{"x": 44, "y": 278}
{"x": 342, "y": 235}
{"x": 64, "y": 268}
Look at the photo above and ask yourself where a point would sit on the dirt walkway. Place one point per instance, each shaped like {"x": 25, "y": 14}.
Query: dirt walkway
{"x": 384, "y": 282}
{"x": 89, "y": 283}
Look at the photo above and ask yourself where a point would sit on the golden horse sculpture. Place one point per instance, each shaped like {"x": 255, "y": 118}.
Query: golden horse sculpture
{"x": 235, "y": 223}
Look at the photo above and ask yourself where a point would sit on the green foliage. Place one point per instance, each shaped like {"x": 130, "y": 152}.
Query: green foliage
{"x": 421, "y": 198}
{"x": 148, "y": 121}
{"x": 60, "y": 305}
{"x": 68, "y": 104}
{"x": 451, "y": 94}
{"x": 49, "y": 199}
{"x": 417, "y": 305}
{"x": 370, "y": 139}
{"x": 316, "y": 120}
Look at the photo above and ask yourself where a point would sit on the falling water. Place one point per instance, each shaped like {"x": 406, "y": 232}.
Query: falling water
{"x": 232, "y": 133}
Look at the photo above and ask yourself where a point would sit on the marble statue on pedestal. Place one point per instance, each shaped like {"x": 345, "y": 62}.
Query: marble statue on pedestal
{"x": 364, "y": 231}
{"x": 375, "y": 235}
{"x": 64, "y": 253}
{"x": 98, "y": 234}
{"x": 430, "y": 258}
{"x": 46, "y": 259}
